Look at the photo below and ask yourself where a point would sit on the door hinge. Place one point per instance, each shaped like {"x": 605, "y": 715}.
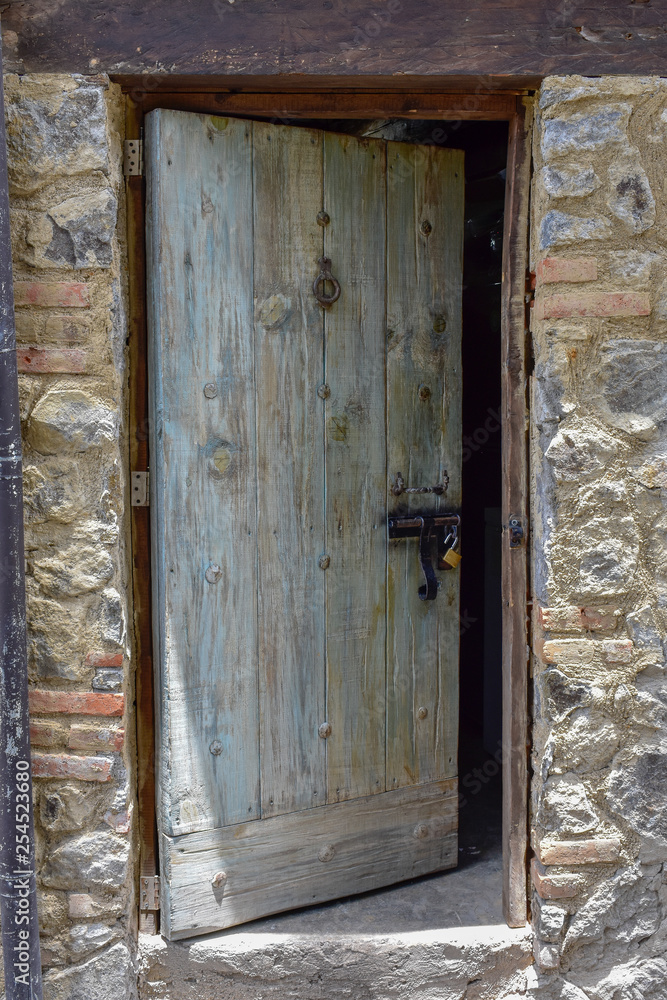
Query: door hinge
{"x": 139, "y": 489}
{"x": 149, "y": 890}
{"x": 133, "y": 158}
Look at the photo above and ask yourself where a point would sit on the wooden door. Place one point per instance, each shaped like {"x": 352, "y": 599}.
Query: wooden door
{"x": 308, "y": 699}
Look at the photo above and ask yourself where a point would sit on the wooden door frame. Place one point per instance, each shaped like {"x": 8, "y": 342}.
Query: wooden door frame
{"x": 283, "y": 105}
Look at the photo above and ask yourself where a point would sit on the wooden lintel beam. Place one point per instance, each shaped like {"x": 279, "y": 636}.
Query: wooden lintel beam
{"x": 287, "y": 106}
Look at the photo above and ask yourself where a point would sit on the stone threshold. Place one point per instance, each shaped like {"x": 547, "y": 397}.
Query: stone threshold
{"x": 437, "y": 938}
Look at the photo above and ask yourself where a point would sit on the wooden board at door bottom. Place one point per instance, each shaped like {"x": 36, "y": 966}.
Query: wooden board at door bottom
{"x": 220, "y": 878}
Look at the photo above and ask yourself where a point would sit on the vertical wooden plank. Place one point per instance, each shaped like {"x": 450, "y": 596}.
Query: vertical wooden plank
{"x": 514, "y": 503}
{"x": 354, "y": 186}
{"x": 424, "y": 277}
{"x": 203, "y": 476}
{"x": 289, "y": 332}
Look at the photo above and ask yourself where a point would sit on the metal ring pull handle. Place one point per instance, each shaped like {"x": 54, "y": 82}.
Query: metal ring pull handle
{"x": 400, "y": 487}
{"x": 324, "y": 276}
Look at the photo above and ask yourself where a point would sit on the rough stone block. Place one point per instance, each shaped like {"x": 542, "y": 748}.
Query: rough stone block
{"x": 70, "y": 420}
{"x": 82, "y": 229}
{"x": 631, "y": 199}
{"x": 555, "y": 269}
{"x": 86, "y": 938}
{"x": 561, "y": 695}
{"x": 78, "y": 569}
{"x": 562, "y": 228}
{"x": 51, "y": 294}
{"x": 67, "y": 766}
{"x": 572, "y": 181}
{"x": 549, "y": 920}
{"x": 89, "y": 860}
{"x": 548, "y": 886}
{"x": 585, "y": 131}
{"x": 603, "y": 850}
{"x": 643, "y": 628}
{"x": 626, "y": 903}
{"x": 54, "y": 360}
{"x": 617, "y": 650}
{"x": 108, "y": 679}
{"x": 579, "y": 451}
{"x": 624, "y": 366}
{"x": 547, "y": 955}
{"x": 109, "y": 974}
{"x": 565, "y": 806}
{"x": 638, "y": 793}
{"x": 63, "y": 808}
{"x": 565, "y": 306}
{"x": 89, "y": 738}
{"x": 76, "y": 703}
{"x": 54, "y": 131}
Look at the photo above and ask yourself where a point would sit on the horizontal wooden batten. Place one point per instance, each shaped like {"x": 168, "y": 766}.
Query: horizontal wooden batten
{"x": 288, "y": 106}
{"x": 212, "y": 883}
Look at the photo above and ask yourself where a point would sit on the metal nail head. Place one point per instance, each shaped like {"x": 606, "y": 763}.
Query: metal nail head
{"x": 325, "y": 730}
{"x": 219, "y": 880}
{"x": 323, "y": 218}
{"x": 326, "y": 853}
{"x": 213, "y": 573}
{"x": 422, "y": 712}
{"x": 323, "y": 391}
{"x": 210, "y": 390}
{"x": 324, "y": 561}
{"x": 420, "y": 831}
{"x": 216, "y": 748}
{"x": 426, "y": 228}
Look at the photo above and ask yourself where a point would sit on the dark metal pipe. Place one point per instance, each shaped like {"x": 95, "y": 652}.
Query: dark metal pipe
{"x": 18, "y": 893}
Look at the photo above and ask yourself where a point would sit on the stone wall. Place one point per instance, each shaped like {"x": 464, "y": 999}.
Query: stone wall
{"x": 64, "y": 137}
{"x": 599, "y": 472}
{"x": 599, "y": 520}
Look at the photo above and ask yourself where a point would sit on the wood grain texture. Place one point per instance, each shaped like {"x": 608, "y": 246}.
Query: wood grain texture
{"x": 423, "y": 38}
{"x": 424, "y": 272}
{"x": 289, "y": 345}
{"x": 515, "y": 503}
{"x": 203, "y": 467}
{"x": 354, "y": 187}
{"x": 308, "y": 857}
{"x": 283, "y": 107}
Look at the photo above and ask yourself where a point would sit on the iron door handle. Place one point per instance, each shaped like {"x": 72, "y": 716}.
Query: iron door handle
{"x": 324, "y": 276}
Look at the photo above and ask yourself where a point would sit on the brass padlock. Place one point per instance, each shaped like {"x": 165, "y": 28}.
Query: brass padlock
{"x": 450, "y": 560}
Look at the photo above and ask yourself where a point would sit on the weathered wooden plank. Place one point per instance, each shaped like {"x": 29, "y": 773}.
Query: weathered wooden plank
{"x": 203, "y": 478}
{"x": 424, "y": 272}
{"x": 309, "y": 857}
{"x": 515, "y": 503}
{"x": 423, "y": 38}
{"x": 289, "y": 345}
{"x": 354, "y": 240}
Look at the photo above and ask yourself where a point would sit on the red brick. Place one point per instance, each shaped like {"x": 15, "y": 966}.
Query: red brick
{"x": 46, "y": 734}
{"x": 553, "y": 269}
{"x": 580, "y": 852}
{"x": 550, "y": 886}
{"x": 104, "y": 660}
{"x": 90, "y": 738}
{"x": 45, "y": 360}
{"x": 571, "y": 652}
{"x": 76, "y": 703}
{"x": 64, "y": 766}
{"x": 592, "y": 304}
{"x": 68, "y": 294}
{"x": 572, "y": 618}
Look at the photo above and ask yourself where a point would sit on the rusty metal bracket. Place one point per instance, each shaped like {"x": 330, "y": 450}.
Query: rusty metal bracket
{"x": 443, "y": 528}
{"x": 149, "y": 893}
{"x": 516, "y": 531}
